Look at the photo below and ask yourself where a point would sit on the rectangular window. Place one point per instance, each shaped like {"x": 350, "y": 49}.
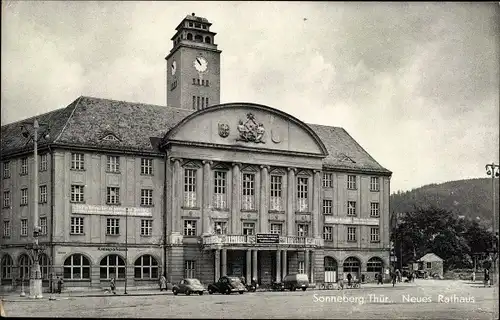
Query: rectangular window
{"x": 220, "y": 189}
{"x": 328, "y": 233}
{"x": 146, "y": 227}
{"x": 248, "y": 199}
{"x": 113, "y": 195}
{"x": 207, "y": 101}
{"x": 374, "y": 184}
{"x": 190, "y": 188}
{"x": 24, "y": 166}
{"x": 220, "y": 227}
{"x": 327, "y": 180}
{"x": 202, "y": 102}
{"x": 194, "y": 100}
{"x": 374, "y": 209}
{"x": 6, "y": 229}
{"x": 276, "y": 193}
{"x": 327, "y": 206}
{"x": 113, "y": 164}
{"x": 351, "y": 182}
{"x": 43, "y": 194}
{"x": 189, "y": 270}
{"x": 302, "y": 194}
{"x": 198, "y": 103}
{"x": 146, "y": 166}
{"x": 374, "y": 234}
{"x": 429, "y": 265}
{"x": 24, "y": 196}
{"x": 194, "y": 82}
{"x": 302, "y": 230}
{"x": 43, "y": 225}
{"x": 43, "y": 162}
{"x": 190, "y": 227}
{"x": 248, "y": 229}
{"x": 146, "y": 197}
{"x": 6, "y": 199}
{"x": 6, "y": 169}
{"x": 24, "y": 227}
{"x": 77, "y": 161}
{"x": 351, "y": 234}
{"x": 198, "y": 81}
{"x": 276, "y": 228}
{"x": 207, "y": 84}
{"x": 76, "y": 225}
{"x": 77, "y": 193}
{"x": 351, "y": 208}
{"x": 112, "y": 226}
{"x": 302, "y": 267}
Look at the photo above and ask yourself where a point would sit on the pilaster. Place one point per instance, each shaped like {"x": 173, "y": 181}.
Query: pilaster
{"x": 217, "y": 265}
{"x": 290, "y": 207}
{"x": 315, "y": 217}
{"x": 236, "y": 199}
{"x": 278, "y": 265}
{"x": 176, "y": 195}
{"x": 206, "y": 198}
{"x": 264, "y": 202}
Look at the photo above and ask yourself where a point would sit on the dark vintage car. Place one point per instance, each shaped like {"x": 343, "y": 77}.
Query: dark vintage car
{"x": 278, "y": 286}
{"x": 188, "y": 286}
{"x": 296, "y": 281}
{"x": 227, "y": 285}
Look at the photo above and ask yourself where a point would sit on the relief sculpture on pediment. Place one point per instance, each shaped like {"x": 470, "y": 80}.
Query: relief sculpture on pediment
{"x": 251, "y": 130}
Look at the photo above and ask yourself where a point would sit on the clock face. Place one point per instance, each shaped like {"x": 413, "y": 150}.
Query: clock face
{"x": 173, "y": 67}
{"x": 200, "y": 64}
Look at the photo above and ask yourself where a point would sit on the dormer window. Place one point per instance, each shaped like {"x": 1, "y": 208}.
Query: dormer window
{"x": 110, "y": 137}
{"x": 207, "y": 40}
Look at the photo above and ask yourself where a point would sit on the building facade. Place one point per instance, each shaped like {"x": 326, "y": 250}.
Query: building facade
{"x": 192, "y": 189}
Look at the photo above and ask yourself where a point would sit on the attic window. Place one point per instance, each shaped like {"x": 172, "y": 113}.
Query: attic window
{"x": 190, "y": 24}
{"x": 197, "y": 25}
{"x": 110, "y": 137}
{"x": 344, "y": 157}
{"x": 198, "y": 38}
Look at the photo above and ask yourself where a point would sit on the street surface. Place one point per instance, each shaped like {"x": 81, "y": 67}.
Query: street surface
{"x": 425, "y": 299}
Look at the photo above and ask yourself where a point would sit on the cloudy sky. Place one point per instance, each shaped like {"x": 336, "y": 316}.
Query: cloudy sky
{"x": 416, "y": 84}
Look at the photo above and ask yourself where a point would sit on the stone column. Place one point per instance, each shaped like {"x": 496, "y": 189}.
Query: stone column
{"x": 249, "y": 265}
{"x": 290, "y": 207}
{"x": 206, "y": 198}
{"x": 306, "y": 263}
{"x": 217, "y": 265}
{"x": 278, "y": 265}
{"x": 316, "y": 204}
{"x": 264, "y": 202}
{"x": 313, "y": 268}
{"x": 224, "y": 262}
{"x": 236, "y": 202}
{"x": 254, "y": 264}
{"x": 284, "y": 264}
{"x": 176, "y": 195}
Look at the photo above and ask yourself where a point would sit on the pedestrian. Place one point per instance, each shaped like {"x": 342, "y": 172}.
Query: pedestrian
{"x": 363, "y": 278}
{"x": 112, "y": 285}
{"x": 473, "y": 276}
{"x": 349, "y": 278}
{"x": 380, "y": 278}
{"x": 398, "y": 275}
{"x": 486, "y": 277}
{"x": 163, "y": 283}
{"x": 59, "y": 284}
{"x": 394, "y": 278}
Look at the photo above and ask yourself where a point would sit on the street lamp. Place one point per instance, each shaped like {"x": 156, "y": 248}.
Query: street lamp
{"x": 493, "y": 170}
{"x": 34, "y": 248}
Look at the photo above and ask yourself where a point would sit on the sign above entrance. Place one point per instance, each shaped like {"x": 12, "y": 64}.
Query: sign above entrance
{"x": 268, "y": 238}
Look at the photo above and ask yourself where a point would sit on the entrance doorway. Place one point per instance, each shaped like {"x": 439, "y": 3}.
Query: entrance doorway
{"x": 352, "y": 265}
{"x": 331, "y": 268}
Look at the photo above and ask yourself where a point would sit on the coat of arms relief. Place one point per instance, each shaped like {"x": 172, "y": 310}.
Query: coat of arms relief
{"x": 251, "y": 130}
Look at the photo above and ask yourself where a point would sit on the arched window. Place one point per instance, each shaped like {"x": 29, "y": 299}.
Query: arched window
{"x": 189, "y": 36}
{"x": 7, "y": 264}
{"x": 375, "y": 264}
{"x": 207, "y": 39}
{"x": 43, "y": 260}
{"x": 24, "y": 266}
{"x": 198, "y": 38}
{"x": 351, "y": 265}
{"x": 146, "y": 267}
{"x": 330, "y": 264}
{"x": 77, "y": 267}
{"x": 112, "y": 266}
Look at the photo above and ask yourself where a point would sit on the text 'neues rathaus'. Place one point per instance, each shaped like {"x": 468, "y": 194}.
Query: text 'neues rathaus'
{"x": 195, "y": 188}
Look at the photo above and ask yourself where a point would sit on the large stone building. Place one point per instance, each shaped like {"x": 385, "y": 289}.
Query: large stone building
{"x": 200, "y": 189}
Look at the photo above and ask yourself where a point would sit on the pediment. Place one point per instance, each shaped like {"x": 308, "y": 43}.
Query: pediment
{"x": 220, "y": 166}
{"x": 277, "y": 171}
{"x": 304, "y": 173}
{"x": 191, "y": 164}
{"x": 246, "y": 126}
{"x": 250, "y": 168}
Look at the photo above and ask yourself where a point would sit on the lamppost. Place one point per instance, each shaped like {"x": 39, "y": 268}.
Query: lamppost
{"x": 493, "y": 170}
{"x": 34, "y": 248}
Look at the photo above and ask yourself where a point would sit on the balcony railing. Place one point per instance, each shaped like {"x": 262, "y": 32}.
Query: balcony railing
{"x": 242, "y": 240}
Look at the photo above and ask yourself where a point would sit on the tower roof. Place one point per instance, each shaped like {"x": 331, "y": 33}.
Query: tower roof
{"x": 193, "y": 17}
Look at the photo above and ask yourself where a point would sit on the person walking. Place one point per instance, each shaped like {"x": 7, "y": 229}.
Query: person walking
{"x": 112, "y": 285}
{"x": 349, "y": 278}
{"x": 380, "y": 278}
{"x": 473, "y": 276}
{"x": 486, "y": 277}
{"x": 394, "y": 278}
{"x": 163, "y": 283}
{"x": 59, "y": 284}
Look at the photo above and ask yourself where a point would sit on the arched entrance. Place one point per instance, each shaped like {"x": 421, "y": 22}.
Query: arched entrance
{"x": 331, "y": 269}
{"x": 352, "y": 265}
{"x": 375, "y": 265}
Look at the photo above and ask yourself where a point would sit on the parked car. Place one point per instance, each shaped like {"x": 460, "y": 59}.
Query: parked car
{"x": 188, "y": 286}
{"x": 227, "y": 285}
{"x": 296, "y": 280}
{"x": 278, "y": 286}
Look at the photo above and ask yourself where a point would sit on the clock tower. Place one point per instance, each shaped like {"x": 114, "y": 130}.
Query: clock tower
{"x": 193, "y": 66}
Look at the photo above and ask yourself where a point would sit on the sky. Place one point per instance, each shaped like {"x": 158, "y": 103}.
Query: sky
{"x": 415, "y": 84}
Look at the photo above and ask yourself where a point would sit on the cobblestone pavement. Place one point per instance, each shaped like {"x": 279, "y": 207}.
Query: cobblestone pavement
{"x": 427, "y": 299}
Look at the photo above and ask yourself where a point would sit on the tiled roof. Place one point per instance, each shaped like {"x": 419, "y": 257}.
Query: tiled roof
{"x": 138, "y": 127}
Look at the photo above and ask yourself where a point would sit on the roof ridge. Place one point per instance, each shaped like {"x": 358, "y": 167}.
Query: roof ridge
{"x": 76, "y": 102}
{"x": 368, "y": 154}
{"x": 137, "y": 103}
